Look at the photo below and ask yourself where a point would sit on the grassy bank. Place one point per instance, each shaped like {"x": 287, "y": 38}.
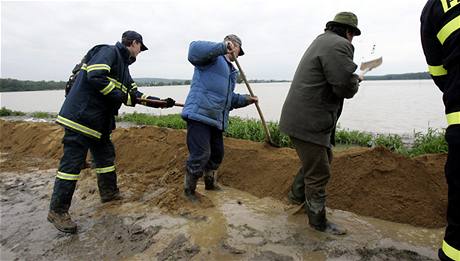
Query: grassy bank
{"x": 423, "y": 143}
{"x": 248, "y": 129}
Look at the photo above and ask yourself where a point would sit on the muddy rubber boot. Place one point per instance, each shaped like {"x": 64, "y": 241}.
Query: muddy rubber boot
{"x": 293, "y": 200}
{"x": 296, "y": 194}
{"x": 108, "y": 190}
{"x": 210, "y": 180}
{"x": 190, "y": 181}
{"x": 319, "y": 222}
{"x": 62, "y": 221}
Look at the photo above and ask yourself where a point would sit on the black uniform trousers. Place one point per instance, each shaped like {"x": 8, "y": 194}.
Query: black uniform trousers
{"x": 76, "y": 147}
{"x": 452, "y": 171}
{"x": 451, "y": 246}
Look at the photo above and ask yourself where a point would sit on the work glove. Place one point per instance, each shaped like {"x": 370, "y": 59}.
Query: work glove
{"x": 131, "y": 99}
{"x": 152, "y": 101}
{"x": 169, "y": 102}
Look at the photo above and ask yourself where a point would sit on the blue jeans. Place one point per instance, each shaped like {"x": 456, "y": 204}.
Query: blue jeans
{"x": 206, "y": 148}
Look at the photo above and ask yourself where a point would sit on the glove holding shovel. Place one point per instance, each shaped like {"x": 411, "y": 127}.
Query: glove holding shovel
{"x": 154, "y": 102}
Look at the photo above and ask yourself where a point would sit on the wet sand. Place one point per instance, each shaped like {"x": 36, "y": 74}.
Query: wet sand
{"x": 393, "y": 207}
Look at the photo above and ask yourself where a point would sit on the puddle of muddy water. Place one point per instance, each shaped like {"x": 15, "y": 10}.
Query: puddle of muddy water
{"x": 238, "y": 227}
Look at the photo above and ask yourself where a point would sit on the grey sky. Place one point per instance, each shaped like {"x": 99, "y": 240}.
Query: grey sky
{"x": 42, "y": 40}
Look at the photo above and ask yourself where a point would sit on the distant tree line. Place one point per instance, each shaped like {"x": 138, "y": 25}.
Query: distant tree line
{"x": 161, "y": 83}
{"x": 403, "y": 76}
{"x": 13, "y": 85}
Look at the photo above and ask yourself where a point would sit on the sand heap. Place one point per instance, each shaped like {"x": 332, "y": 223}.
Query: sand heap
{"x": 371, "y": 182}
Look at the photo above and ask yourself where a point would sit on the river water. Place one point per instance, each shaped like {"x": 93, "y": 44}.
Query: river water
{"x": 398, "y": 107}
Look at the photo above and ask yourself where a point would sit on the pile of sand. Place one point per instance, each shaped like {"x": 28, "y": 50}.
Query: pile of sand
{"x": 371, "y": 182}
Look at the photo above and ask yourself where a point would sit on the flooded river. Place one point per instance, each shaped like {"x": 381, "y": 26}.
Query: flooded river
{"x": 399, "y": 107}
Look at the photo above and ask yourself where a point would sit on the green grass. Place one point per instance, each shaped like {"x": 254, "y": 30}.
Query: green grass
{"x": 424, "y": 143}
{"x": 249, "y": 129}
{"x": 173, "y": 121}
{"x": 42, "y": 115}
{"x": 431, "y": 142}
{"x": 353, "y": 137}
{"x": 7, "y": 112}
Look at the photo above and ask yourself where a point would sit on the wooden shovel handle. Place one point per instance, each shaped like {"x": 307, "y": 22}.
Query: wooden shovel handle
{"x": 268, "y": 138}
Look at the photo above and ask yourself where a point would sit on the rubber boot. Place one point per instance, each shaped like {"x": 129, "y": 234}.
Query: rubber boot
{"x": 190, "y": 182}
{"x": 293, "y": 200}
{"x": 319, "y": 222}
{"x": 59, "y": 205}
{"x": 297, "y": 193}
{"x": 108, "y": 190}
{"x": 210, "y": 180}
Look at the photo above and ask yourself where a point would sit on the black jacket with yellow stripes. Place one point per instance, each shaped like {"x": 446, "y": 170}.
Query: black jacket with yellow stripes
{"x": 102, "y": 85}
{"x": 440, "y": 33}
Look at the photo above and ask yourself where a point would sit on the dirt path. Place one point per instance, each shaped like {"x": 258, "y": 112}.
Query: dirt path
{"x": 248, "y": 220}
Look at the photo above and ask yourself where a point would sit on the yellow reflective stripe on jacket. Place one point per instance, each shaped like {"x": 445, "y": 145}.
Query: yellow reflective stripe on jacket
{"x": 107, "y": 89}
{"x": 118, "y": 85}
{"x": 437, "y": 70}
{"x": 94, "y": 67}
{"x": 451, "y": 252}
{"x": 453, "y": 118}
{"x": 144, "y": 96}
{"x": 105, "y": 170}
{"x": 67, "y": 176}
{"x": 84, "y": 66}
{"x": 449, "y": 4}
{"x": 128, "y": 102}
{"x": 78, "y": 127}
{"x": 448, "y": 29}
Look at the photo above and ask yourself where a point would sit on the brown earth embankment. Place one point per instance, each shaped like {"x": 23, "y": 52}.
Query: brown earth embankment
{"x": 372, "y": 182}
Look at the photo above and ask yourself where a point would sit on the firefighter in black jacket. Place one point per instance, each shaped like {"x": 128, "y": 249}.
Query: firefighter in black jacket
{"x": 440, "y": 33}
{"x": 88, "y": 117}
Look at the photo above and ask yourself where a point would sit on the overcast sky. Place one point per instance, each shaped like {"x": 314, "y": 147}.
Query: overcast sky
{"x": 43, "y": 40}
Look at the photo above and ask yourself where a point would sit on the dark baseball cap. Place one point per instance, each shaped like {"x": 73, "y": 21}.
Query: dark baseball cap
{"x": 133, "y": 35}
{"x": 235, "y": 39}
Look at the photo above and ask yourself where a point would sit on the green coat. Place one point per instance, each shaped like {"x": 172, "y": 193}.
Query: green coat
{"x": 324, "y": 77}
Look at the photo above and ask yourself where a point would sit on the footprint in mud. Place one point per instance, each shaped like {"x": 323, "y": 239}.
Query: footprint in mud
{"x": 109, "y": 238}
{"x": 271, "y": 256}
{"x": 179, "y": 249}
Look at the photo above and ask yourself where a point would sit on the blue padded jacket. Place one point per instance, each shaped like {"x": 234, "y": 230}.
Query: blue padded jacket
{"x": 211, "y": 95}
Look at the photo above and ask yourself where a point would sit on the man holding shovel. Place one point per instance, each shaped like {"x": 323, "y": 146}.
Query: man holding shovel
{"x": 440, "y": 35}
{"x": 88, "y": 116}
{"x": 207, "y": 108}
{"x": 324, "y": 78}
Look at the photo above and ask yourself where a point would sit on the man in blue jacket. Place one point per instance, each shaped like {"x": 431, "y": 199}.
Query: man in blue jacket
{"x": 88, "y": 116}
{"x": 207, "y": 107}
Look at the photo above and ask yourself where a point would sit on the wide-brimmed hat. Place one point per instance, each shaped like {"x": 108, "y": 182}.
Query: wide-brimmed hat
{"x": 346, "y": 18}
{"x": 235, "y": 39}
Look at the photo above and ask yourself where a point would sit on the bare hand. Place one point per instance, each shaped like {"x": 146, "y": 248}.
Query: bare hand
{"x": 230, "y": 47}
{"x": 253, "y": 99}
{"x": 233, "y": 50}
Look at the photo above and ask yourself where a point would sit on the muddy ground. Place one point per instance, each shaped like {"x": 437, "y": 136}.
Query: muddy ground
{"x": 392, "y": 206}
